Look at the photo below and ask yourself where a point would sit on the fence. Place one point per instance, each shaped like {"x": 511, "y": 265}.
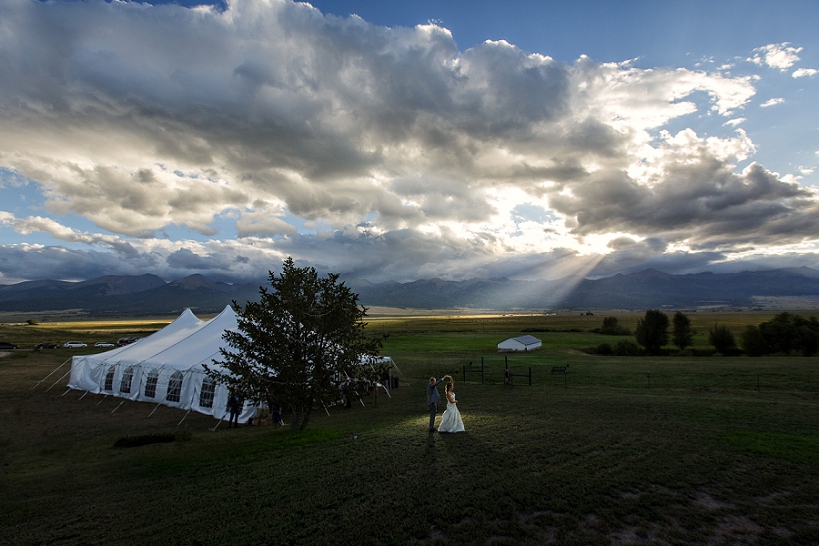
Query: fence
{"x": 718, "y": 375}
{"x": 508, "y": 375}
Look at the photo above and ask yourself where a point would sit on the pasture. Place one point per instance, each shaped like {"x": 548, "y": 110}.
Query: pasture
{"x": 639, "y": 450}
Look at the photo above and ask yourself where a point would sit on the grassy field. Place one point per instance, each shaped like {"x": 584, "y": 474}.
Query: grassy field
{"x": 671, "y": 450}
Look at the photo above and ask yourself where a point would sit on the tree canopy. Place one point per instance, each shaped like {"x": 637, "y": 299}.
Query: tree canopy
{"x": 301, "y": 346}
{"x": 722, "y": 339}
{"x": 783, "y": 334}
{"x": 652, "y": 331}
{"x": 682, "y": 334}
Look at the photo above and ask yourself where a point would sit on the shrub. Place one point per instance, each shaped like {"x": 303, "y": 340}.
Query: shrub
{"x": 722, "y": 339}
{"x": 604, "y": 349}
{"x": 626, "y": 348}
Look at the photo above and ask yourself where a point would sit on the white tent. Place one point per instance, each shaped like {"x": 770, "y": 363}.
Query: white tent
{"x": 165, "y": 367}
{"x": 520, "y": 344}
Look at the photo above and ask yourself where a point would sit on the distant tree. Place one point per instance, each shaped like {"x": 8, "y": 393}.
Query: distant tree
{"x": 299, "y": 344}
{"x": 722, "y": 339}
{"x": 787, "y": 332}
{"x": 652, "y": 331}
{"x": 753, "y": 341}
{"x": 780, "y": 333}
{"x": 611, "y": 327}
{"x": 808, "y": 335}
{"x": 682, "y": 335}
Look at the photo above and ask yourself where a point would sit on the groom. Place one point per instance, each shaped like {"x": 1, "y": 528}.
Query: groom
{"x": 433, "y": 398}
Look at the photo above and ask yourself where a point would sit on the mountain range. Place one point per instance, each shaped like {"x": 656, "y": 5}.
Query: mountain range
{"x": 149, "y": 295}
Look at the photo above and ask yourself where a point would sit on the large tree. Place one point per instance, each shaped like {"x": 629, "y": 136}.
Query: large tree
{"x": 682, "y": 334}
{"x": 722, "y": 339}
{"x": 652, "y": 331}
{"x": 301, "y": 346}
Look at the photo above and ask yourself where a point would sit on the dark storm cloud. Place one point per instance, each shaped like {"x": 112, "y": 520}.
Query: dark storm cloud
{"x": 385, "y": 152}
{"x": 705, "y": 203}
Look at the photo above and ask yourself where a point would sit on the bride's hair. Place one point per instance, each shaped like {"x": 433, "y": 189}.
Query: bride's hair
{"x": 449, "y": 386}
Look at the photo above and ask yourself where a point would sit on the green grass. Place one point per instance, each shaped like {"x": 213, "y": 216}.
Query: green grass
{"x": 597, "y": 456}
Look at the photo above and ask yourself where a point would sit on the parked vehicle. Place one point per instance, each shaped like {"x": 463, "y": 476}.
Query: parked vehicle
{"x": 103, "y": 344}
{"x": 46, "y": 346}
{"x": 7, "y": 345}
{"x": 74, "y": 344}
{"x": 123, "y": 341}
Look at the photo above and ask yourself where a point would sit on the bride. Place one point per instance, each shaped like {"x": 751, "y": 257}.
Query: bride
{"x": 451, "y": 420}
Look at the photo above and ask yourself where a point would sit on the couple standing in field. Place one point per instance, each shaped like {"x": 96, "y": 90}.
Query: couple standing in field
{"x": 451, "y": 420}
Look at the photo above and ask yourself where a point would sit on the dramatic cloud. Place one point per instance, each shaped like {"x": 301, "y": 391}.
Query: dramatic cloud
{"x": 270, "y": 129}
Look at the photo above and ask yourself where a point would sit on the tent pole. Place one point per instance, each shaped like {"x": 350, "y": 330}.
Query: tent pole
{"x": 186, "y": 416}
{"x": 219, "y": 422}
{"x": 66, "y": 392}
{"x": 396, "y": 367}
{"x": 116, "y": 408}
{"x": 325, "y": 409}
{"x": 60, "y": 379}
{"x": 83, "y": 394}
{"x": 103, "y": 398}
{"x": 156, "y": 408}
{"x": 49, "y": 375}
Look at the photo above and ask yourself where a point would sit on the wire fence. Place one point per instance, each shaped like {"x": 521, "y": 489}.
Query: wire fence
{"x": 643, "y": 374}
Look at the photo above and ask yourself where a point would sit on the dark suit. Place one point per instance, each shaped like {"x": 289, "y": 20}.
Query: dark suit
{"x": 432, "y": 402}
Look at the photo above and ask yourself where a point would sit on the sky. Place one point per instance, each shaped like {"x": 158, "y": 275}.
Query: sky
{"x": 396, "y": 141}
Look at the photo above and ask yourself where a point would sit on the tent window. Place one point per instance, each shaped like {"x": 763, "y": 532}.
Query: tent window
{"x": 127, "y": 378}
{"x": 150, "y": 384}
{"x": 174, "y": 387}
{"x": 206, "y": 396}
{"x": 109, "y": 379}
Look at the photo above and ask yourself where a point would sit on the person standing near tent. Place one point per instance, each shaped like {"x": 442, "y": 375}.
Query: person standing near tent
{"x": 235, "y": 408}
{"x": 433, "y": 398}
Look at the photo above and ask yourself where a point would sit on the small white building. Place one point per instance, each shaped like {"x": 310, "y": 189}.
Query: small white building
{"x": 519, "y": 344}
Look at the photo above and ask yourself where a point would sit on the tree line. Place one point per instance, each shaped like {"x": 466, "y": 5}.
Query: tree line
{"x": 784, "y": 334}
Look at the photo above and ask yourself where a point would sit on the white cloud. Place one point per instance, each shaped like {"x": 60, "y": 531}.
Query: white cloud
{"x": 772, "y": 102}
{"x": 804, "y": 72}
{"x": 780, "y": 56}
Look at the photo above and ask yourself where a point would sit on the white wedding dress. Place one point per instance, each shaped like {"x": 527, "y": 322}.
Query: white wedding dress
{"x": 451, "y": 421}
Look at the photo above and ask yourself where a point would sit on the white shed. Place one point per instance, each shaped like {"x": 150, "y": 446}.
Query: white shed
{"x": 520, "y": 344}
